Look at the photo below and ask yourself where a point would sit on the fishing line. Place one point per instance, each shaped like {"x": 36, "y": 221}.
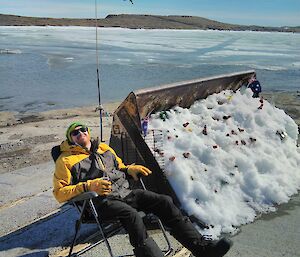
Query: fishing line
{"x": 100, "y": 107}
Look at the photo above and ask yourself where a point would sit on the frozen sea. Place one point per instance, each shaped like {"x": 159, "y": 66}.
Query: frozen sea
{"x": 44, "y": 68}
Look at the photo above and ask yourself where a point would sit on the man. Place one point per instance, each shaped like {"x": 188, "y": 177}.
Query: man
{"x": 86, "y": 165}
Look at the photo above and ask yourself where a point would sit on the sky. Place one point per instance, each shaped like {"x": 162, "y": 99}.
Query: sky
{"x": 254, "y": 12}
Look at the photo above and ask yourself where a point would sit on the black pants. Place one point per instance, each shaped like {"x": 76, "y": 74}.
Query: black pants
{"x": 126, "y": 210}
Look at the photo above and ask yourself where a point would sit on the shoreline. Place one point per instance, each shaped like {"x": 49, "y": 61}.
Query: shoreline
{"x": 140, "y": 21}
{"x": 13, "y": 118}
{"x": 163, "y": 29}
{"x": 26, "y": 140}
{"x": 286, "y": 100}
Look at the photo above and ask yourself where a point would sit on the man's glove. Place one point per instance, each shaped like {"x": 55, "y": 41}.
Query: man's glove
{"x": 100, "y": 186}
{"x": 134, "y": 170}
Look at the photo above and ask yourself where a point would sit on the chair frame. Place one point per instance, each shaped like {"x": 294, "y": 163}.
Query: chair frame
{"x": 87, "y": 199}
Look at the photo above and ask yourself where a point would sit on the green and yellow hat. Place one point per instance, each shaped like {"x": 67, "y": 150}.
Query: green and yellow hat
{"x": 72, "y": 127}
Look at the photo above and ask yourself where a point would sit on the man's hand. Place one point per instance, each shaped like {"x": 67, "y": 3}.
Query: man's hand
{"x": 100, "y": 186}
{"x": 134, "y": 170}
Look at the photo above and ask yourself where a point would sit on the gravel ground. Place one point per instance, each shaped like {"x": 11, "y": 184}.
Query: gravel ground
{"x": 27, "y": 140}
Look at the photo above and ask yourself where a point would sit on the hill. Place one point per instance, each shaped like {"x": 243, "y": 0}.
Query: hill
{"x": 134, "y": 21}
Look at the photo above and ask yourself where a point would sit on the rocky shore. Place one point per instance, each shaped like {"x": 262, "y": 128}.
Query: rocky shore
{"x": 27, "y": 139}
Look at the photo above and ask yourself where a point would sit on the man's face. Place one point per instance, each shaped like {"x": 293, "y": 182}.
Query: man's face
{"x": 81, "y": 136}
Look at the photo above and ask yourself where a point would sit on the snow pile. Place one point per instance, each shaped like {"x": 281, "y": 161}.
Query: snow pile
{"x": 229, "y": 157}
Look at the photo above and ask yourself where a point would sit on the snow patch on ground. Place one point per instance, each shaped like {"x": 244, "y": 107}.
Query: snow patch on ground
{"x": 229, "y": 158}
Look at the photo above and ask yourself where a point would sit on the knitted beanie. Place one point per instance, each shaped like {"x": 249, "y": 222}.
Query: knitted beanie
{"x": 72, "y": 127}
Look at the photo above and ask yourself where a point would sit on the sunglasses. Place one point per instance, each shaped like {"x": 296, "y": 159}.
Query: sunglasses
{"x": 77, "y": 131}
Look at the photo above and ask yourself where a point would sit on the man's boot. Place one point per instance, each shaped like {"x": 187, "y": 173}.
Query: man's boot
{"x": 148, "y": 249}
{"x": 184, "y": 231}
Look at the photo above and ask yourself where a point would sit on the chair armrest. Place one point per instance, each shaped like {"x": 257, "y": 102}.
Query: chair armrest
{"x": 84, "y": 196}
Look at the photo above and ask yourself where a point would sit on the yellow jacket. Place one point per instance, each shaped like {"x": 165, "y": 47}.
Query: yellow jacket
{"x": 63, "y": 187}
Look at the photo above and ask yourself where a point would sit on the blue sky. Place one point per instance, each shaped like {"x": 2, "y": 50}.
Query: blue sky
{"x": 257, "y": 12}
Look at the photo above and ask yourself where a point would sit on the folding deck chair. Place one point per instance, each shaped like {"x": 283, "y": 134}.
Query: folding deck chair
{"x": 88, "y": 214}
